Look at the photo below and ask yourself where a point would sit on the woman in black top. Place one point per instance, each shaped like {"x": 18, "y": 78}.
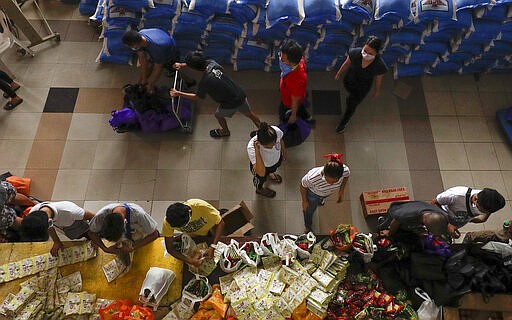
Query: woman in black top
{"x": 363, "y": 65}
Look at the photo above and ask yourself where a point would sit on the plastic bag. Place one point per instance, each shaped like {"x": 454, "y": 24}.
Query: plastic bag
{"x": 190, "y": 249}
{"x": 155, "y": 285}
{"x": 503, "y": 249}
{"x": 428, "y": 309}
{"x": 363, "y": 244}
{"x": 250, "y": 252}
{"x": 231, "y": 259}
{"x": 22, "y": 185}
{"x": 269, "y": 243}
{"x": 303, "y": 243}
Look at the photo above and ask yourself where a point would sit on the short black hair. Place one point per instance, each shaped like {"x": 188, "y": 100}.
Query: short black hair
{"x": 196, "y": 60}
{"x": 266, "y": 134}
{"x": 293, "y": 50}
{"x": 131, "y": 37}
{"x": 436, "y": 223}
{"x": 334, "y": 169}
{"x": 491, "y": 200}
{"x": 112, "y": 228}
{"x": 374, "y": 42}
{"x": 177, "y": 214}
{"x": 34, "y": 227}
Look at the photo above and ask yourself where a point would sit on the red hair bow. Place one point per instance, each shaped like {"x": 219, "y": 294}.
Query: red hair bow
{"x": 336, "y": 157}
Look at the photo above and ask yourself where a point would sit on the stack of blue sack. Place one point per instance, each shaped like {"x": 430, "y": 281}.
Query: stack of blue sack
{"x": 189, "y": 26}
{"x": 161, "y": 15}
{"x": 223, "y": 32}
{"x": 487, "y": 21}
{"x": 426, "y": 15}
{"x": 97, "y": 15}
{"x": 88, "y": 7}
{"x": 119, "y": 16}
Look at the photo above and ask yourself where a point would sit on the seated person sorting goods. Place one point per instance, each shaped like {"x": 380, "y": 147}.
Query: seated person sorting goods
{"x": 195, "y": 217}
{"x": 122, "y": 221}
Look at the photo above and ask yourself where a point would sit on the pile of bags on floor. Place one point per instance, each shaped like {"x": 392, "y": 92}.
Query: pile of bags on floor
{"x": 149, "y": 112}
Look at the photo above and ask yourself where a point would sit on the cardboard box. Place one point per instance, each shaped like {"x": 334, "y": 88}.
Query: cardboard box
{"x": 378, "y": 201}
{"x": 237, "y": 220}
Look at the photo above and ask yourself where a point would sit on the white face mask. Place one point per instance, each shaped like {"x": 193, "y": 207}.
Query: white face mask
{"x": 367, "y": 56}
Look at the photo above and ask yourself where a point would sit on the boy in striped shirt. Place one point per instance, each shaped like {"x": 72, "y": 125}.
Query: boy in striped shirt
{"x": 321, "y": 182}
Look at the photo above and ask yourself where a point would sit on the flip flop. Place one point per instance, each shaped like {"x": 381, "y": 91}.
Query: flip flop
{"x": 7, "y": 96}
{"x": 216, "y": 133}
{"x": 9, "y": 105}
{"x": 266, "y": 192}
{"x": 276, "y": 179}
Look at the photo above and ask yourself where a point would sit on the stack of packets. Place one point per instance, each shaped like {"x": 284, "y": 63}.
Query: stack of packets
{"x": 121, "y": 264}
{"x": 269, "y": 293}
{"x": 328, "y": 270}
{"x": 29, "y": 266}
{"x": 50, "y": 296}
{"x": 362, "y": 297}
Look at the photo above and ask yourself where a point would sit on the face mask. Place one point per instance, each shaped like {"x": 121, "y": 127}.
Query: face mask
{"x": 366, "y": 56}
{"x": 285, "y": 68}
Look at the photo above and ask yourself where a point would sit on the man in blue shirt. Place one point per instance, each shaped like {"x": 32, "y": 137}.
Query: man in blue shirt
{"x": 156, "y": 50}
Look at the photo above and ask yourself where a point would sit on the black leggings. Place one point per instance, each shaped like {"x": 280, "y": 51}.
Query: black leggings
{"x": 355, "y": 97}
{"x": 5, "y": 84}
{"x": 257, "y": 180}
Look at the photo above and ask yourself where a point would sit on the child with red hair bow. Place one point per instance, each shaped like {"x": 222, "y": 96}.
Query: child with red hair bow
{"x": 321, "y": 182}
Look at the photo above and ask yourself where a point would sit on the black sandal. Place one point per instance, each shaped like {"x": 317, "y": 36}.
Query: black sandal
{"x": 217, "y": 133}
{"x": 266, "y": 192}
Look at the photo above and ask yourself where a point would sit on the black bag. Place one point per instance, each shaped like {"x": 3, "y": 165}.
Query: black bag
{"x": 427, "y": 266}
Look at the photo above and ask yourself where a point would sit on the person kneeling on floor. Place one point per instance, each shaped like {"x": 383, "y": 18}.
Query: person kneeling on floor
{"x": 266, "y": 151}
{"x": 321, "y": 182}
{"x": 44, "y": 217}
{"x": 195, "y": 217}
{"x": 122, "y": 221}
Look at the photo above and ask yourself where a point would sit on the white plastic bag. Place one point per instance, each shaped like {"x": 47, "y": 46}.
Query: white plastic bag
{"x": 155, "y": 285}
{"x": 231, "y": 259}
{"x": 368, "y": 249}
{"x": 308, "y": 238}
{"x": 503, "y": 249}
{"x": 269, "y": 243}
{"x": 245, "y": 255}
{"x": 428, "y": 309}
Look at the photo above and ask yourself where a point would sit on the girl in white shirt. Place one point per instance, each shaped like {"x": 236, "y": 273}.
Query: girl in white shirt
{"x": 266, "y": 150}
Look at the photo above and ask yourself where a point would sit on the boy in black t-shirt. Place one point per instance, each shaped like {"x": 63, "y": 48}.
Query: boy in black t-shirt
{"x": 363, "y": 65}
{"x": 221, "y": 88}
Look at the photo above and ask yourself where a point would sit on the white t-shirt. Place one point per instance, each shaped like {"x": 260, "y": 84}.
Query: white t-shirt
{"x": 270, "y": 156}
{"x": 65, "y": 213}
{"x": 453, "y": 201}
{"x": 141, "y": 223}
{"x": 315, "y": 181}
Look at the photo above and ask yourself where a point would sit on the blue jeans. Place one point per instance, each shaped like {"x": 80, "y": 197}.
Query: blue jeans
{"x": 314, "y": 200}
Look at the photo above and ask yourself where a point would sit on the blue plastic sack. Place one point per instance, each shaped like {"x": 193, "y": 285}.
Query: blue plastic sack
{"x": 242, "y": 12}
{"x": 463, "y": 5}
{"x": 481, "y": 65}
{"x": 458, "y": 57}
{"x": 160, "y": 11}
{"x": 444, "y": 67}
{"x": 277, "y": 31}
{"x": 405, "y": 38}
{"x": 321, "y": 11}
{"x": 339, "y": 26}
{"x": 393, "y": 11}
{"x": 87, "y": 8}
{"x": 260, "y": 3}
{"x": 117, "y": 58}
{"x": 430, "y": 10}
{"x": 239, "y": 65}
{"x": 473, "y": 48}
{"x": 437, "y": 47}
{"x": 338, "y": 39}
{"x": 279, "y": 11}
{"x": 208, "y": 7}
{"x": 496, "y": 13}
{"x": 407, "y": 70}
{"x": 225, "y": 24}
{"x": 327, "y": 49}
{"x": 421, "y": 57}
{"x": 251, "y": 49}
{"x": 122, "y": 17}
{"x": 98, "y": 14}
{"x": 134, "y": 5}
{"x": 357, "y": 11}
{"x": 304, "y": 35}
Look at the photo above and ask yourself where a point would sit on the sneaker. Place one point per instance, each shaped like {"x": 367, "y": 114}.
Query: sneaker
{"x": 322, "y": 202}
{"x": 340, "y": 128}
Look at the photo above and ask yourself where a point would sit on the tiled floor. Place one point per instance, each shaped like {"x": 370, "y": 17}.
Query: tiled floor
{"x": 426, "y": 134}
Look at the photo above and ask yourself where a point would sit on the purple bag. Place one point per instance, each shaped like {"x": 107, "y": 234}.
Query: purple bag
{"x": 123, "y": 119}
{"x": 296, "y": 133}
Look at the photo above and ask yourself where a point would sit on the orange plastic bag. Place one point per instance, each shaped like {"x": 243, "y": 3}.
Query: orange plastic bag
{"x": 302, "y": 313}
{"x": 125, "y": 310}
{"x": 216, "y": 302}
{"x": 343, "y": 236}
{"x": 22, "y": 185}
